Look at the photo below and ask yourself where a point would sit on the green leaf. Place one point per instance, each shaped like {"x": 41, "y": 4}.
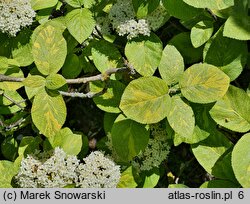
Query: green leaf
{"x": 204, "y": 83}
{"x": 108, "y": 121}
{"x": 127, "y": 179}
{"x": 5, "y": 46}
{"x": 232, "y": 111}
{"x": 109, "y": 101}
{"x": 3, "y": 64}
{"x": 144, "y": 54}
{"x": 183, "y": 44}
{"x": 48, "y": 113}
{"x": 69, "y": 142}
{"x": 6, "y": 174}
{"x": 209, "y": 151}
{"x": 237, "y": 27}
{"x": 55, "y": 81}
{"x": 14, "y": 95}
{"x": 181, "y": 119}
{"x": 144, "y": 7}
{"x": 151, "y": 179}
{"x": 21, "y": 48}
{"x": 71, "y": 68}
{"x": 248, "y": 90}
{"x": 223, "y": 168}
{"x": 12, "y": 72}
{"x": 241, "y": 160}
{"x": 49, "y": 50}
{"x": 227, "y": 54}
{"x": 201, "y": 33}
{"x": 219, "y": 184}
{"x": 105, "y": 55}
{"x": 42, "y": 16}
{"x": 172, "y": 65}
{"x": 80, "y": 23}
{"x": 9, "y": 148}
{"x": 33, "y": 85}
{"x": 34, "y": 81}
{"x": 42, "y": 4}
{"x": 177, "y": 186}
{"x": 7, "y": 106}
{"x": 146, "y": 100}
{"x": 75, "y": 3}
{"x": 204, "y": 124}
{"x": 180, "y": 9}
{"x": 29, "y": 145}
{"x": 128, "y": 138}
{"x": 212, "y": 4}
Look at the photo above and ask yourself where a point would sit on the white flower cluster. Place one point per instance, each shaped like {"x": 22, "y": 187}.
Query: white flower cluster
{"x": 123, "y": 19}
{"x": 56, "y": 169}
{"x": 14, "y": 15}
{"x": 47, "y": 170}
{"x": 98, "y": 172}
{"x": 156, "y": 151}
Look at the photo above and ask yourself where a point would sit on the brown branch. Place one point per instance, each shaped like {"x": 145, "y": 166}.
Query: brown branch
{"x": 13, "y": 101}
{"x": 84, "y": 80}
{"x": 83, "y": 95}
{"x": 9, "y": 78}
{"x": 99, "y": 77}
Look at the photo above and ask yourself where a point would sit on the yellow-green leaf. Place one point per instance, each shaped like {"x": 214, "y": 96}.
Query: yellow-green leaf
{"x": 105, "y": 55}
{"x": 69, "y": 142}
{"x": 204, "y": 83}
{"x": 127, "y": 179}
{"x": 144, "y": 54}
{"x": 33, "y": 85}
{"x": 80, "y": 23}
{"x": 237, "y": 27}
{"x": 21, "y": 48}
{"x": 12, "y": 72}
{"x": 75, "y": 3}
{"x": 201, "y": 33}
{"x": 212, "y": 4}
{"x": 42, "y": 4}
{"x": 34, "y": 81}
{"x": 49, "y": 50}
{"x": 7, "y": 171}
{"x": 181, "y": 119}
{"x": 172, "y": 65}
{"x": 48, "y": 112}
{"x": 146, "y": 100}
{"x": 233, "y": 110}
{"x": 210, "y": 150}
{"x": 241, "y": 160}
{"x": 152, "y": 178}
{"x": 55, "y": 81}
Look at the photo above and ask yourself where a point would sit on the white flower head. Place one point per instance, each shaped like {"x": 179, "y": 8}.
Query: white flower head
{"x": 47, "y": 170}
{"x": 123, "y": 19}
{"x": 98, "y": 172}
{"x": 14, "y": 15}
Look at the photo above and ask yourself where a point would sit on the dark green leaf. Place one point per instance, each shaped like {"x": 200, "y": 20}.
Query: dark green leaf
{"x": 128, "y": 138}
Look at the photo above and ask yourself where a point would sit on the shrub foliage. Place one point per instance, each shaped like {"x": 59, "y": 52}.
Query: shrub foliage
{"x": 160, "y": 87}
